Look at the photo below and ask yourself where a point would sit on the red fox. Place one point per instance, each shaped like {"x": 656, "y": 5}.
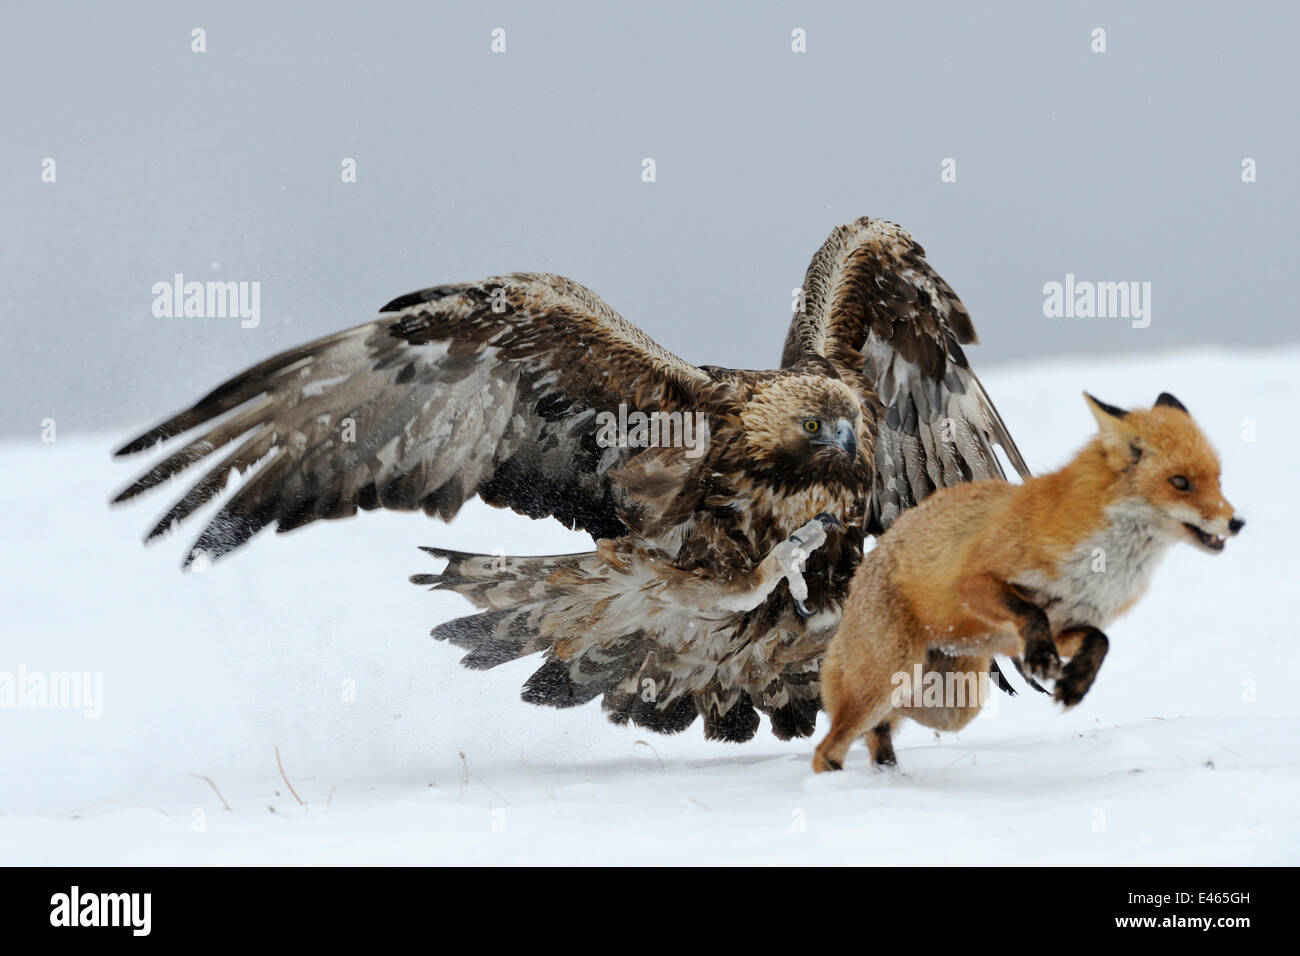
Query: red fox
{"x": 1035, "y": 570}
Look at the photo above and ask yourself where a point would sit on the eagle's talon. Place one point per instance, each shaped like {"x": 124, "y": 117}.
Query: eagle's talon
{"x": 809, "y": 537}
{"x": 802, "y": 609}
{"x": 829, "y": 520}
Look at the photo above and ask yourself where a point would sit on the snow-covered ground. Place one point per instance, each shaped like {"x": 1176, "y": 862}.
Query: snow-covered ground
{"x": 1187, "y": 750}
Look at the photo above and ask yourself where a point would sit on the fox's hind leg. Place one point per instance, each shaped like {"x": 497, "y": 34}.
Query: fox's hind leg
{"x": 856, "y": 704}
{"x": 875, "y": 643}
{"x": 880, "y": 741}
{"x": 1086, "y": 648}
{"x": 858, "y": 700}
{"x": 849, "y": 721}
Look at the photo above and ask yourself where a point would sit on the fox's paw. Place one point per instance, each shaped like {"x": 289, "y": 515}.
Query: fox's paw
{"x": 1078, "y": 675}
{"x": 881, "y": 742}
{"x": 1067, "y": 693}
{"x": 1073, "y": 685}
{"x": 1042, "y": 661}
{"x": 821, "y": 764}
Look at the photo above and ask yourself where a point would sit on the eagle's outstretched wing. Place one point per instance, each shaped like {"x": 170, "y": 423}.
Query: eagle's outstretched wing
{"x": 487, "y": 388}
{"x": 893, "y": 328}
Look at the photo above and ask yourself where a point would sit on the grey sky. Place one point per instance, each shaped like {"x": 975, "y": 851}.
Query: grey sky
{"x": 1120, "y": 166}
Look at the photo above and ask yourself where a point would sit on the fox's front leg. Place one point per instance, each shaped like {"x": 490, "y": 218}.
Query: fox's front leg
{"x": 1040, "y": 654}
{"x": 1086, "y": 647}
{"x": 993, "y": 602}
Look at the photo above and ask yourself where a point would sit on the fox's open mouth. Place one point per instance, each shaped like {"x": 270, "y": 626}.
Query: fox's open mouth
{"x": 1210, "y": 542}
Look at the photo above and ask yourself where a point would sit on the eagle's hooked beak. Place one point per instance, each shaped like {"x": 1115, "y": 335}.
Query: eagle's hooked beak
{"x": 845, "y": 438}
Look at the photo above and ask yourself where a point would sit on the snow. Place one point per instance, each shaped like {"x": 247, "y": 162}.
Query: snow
{"x": 1185, "y": 751}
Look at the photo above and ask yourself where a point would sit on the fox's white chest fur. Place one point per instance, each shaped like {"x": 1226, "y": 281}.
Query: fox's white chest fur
{"x": 1106, "y": 571}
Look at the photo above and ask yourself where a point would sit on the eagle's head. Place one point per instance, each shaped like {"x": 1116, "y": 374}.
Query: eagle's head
{"x": 802, "y": 428}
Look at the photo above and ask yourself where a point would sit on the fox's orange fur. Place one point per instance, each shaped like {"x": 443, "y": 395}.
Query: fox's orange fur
{"x": 1035, "y": 570}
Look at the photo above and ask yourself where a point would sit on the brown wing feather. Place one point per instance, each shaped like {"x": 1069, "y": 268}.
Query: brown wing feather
{"x": 488, "y": 388}
{"x": 895, "y": 329}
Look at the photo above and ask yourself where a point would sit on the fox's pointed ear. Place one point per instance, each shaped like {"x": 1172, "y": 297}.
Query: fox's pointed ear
{"x": 1117, "y": 434}
{"x": 1101, "y": 411}
{"x": 1168, "y": 401}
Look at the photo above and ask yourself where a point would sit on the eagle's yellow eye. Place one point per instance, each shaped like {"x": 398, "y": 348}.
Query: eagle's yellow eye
{"x": 811, "y": 425}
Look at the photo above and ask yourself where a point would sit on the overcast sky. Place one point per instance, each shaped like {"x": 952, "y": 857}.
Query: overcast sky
{"x": 1116, "y": 166}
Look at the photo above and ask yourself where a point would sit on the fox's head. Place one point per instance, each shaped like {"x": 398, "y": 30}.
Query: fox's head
{"x": 1163, "y": 458}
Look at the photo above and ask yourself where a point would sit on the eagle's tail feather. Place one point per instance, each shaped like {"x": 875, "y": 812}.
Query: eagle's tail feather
{"x": 495, "y": 580}
{"x": 516, "y": 594}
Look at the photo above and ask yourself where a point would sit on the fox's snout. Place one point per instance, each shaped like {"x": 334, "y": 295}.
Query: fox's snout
{"x": 1224, "y": 519}
{"x": 1211, "y": 532}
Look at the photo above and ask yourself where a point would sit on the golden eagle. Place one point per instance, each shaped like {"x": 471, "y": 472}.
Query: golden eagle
{"x": 506, "y": 389}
